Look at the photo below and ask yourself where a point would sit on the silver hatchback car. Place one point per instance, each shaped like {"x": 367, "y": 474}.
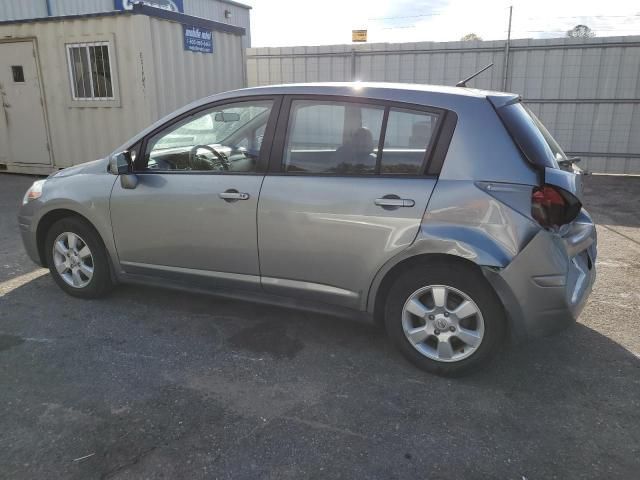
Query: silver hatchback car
{"x": 438, "y": 211}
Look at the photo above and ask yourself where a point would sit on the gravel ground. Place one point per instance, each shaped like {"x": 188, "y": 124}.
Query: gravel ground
{"x": 163, "y": 384}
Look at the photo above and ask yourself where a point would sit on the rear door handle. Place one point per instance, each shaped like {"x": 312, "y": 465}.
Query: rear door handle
{"x": 394, "y": 202}
{"x": 233, "y": 195}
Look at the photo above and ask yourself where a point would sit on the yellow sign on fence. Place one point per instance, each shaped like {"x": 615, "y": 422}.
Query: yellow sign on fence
{"x": 358, "y": 35}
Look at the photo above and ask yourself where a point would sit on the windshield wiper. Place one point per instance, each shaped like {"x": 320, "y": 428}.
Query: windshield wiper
{"x": 569, "y": 161}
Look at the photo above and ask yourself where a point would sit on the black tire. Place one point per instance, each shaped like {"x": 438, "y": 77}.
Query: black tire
{"x": 100, "y": 283}
{"x": 463, "y": 278}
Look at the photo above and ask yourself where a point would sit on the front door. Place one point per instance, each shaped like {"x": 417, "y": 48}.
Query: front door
{"x": 192, "y": 215}
{"x": 348, "y": 194}
{"x": 23, "y": 130}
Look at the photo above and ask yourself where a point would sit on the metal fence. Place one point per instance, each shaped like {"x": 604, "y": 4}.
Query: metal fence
{"x": 586, "y": 91}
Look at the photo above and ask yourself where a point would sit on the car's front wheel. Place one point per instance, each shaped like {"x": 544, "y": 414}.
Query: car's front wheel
{"x": 77, "y": 258}
{"x": 445, "y": 319}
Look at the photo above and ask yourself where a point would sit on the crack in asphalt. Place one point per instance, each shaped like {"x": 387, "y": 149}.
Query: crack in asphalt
{"x": 611, "y": 229}
{"x": 135, "y": 460}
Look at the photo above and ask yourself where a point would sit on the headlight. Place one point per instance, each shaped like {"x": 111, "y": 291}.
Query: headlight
{"x": 34, "y": 192}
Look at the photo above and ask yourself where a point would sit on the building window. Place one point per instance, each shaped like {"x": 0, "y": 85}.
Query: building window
{"x": 18, "y": 73}
{"x": 90, "y": 71}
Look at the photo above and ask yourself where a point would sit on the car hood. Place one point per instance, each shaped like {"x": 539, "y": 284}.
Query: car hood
{"x": 95, "y": 166}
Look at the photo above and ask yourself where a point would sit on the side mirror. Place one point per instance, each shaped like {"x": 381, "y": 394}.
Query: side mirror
{"x": 120, "y": 163}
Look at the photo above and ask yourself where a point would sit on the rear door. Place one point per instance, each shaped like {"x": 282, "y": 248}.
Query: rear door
{"x": 348, "y": 183}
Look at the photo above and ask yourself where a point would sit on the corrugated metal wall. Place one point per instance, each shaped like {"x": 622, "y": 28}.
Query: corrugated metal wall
{"x": 155, "y": 76}
{"x": 209, "y": 9}
{"x": 81, "y": 134}
{"x": 21, "y": 9}
{"x": 181, "y": 77}
{"x": 587, "y": 92}
{"x": 76, "y": 7}
{"x": 16, "y": 9}
{"x": 214, "y": 10}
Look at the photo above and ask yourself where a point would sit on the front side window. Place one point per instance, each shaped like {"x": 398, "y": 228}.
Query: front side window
{"x": 332, "y": 137}
{"x": 90, "y": 71}
{"x": 226, "y": 138}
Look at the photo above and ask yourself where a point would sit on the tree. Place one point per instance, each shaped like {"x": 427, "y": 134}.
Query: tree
{"x": 580, "y": 31}
{"x": 470, "y": 36}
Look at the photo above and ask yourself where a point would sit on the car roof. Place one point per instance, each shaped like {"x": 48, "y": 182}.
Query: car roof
{"x": 441, "y": 96}
{"x": 406, "y": 92}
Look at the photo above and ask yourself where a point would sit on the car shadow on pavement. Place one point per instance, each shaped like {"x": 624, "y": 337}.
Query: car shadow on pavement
{"x": 154, "y": 381}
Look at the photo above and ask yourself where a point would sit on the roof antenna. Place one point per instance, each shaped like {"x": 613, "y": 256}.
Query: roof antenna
{"x": 463, "y": 83}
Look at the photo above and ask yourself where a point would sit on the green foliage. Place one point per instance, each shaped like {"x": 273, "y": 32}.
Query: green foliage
{"x": 470, "y": 36}
{"x": 580, "y": 31}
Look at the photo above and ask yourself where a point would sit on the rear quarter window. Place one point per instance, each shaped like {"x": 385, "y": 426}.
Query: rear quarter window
{"x": 537, "y": 144}
{"x": 407, "y": 138}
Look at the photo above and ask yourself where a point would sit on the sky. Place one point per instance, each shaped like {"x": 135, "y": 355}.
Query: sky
{"x": 276, "y": 23}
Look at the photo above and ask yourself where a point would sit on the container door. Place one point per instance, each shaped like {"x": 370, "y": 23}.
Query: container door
{"x": 23, "y": 130}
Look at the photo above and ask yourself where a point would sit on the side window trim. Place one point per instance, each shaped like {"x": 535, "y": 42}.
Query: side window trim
{"x": 383, "y": 135}
{"x": 265, "y": 148}
{"x": 434, "y": 155}
{"x": 440, "y": 143}
{"x": 276, "y": 155}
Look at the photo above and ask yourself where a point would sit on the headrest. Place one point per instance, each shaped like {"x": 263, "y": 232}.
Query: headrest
{"x": 362, "y": 141}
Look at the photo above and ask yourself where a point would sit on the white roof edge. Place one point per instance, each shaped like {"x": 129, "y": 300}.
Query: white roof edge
{"x": 326, "y": 88}
{"x": 236, "y": 4}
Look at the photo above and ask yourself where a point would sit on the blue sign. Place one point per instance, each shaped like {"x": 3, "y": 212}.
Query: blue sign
{"x": 198, "y": 39}
{"x": 170, "y": 5}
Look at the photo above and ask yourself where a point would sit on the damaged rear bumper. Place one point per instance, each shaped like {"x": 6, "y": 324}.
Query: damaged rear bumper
{"x": 545, "y": 287}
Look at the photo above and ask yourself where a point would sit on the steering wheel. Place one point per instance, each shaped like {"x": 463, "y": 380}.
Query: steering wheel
{"x": 223, "y": 162}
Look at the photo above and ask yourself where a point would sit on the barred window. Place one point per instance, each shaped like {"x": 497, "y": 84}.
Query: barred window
{"x": 90, "y": 71}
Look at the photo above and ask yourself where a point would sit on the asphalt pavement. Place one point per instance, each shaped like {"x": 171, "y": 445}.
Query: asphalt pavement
{"x": 152, "y": 383}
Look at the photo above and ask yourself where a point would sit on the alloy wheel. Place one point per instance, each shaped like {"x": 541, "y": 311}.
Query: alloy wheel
{"x": 442, "y": 323}
{"x": 73, "y": 259}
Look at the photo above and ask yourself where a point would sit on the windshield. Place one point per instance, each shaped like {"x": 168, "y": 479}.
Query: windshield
{"x": 535, "y": 141}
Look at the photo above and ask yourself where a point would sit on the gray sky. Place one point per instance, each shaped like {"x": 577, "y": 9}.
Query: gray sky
{"x": 323, "y": 22}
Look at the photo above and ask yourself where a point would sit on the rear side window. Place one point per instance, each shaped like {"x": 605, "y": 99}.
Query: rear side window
{"x": 343, "y": 138}
{"x": 407, "y": 138}
{"x": 332, "y": 137}
{"x": 535, "y": 141}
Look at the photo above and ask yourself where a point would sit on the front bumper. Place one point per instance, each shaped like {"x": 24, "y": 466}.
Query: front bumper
{"x": 546, "y": 286}
{"x": 29, "y": 238}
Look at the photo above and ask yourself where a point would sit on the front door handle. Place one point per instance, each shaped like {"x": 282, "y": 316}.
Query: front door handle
{"x": 393, "y": 201}
{"x": 233, "y": 195}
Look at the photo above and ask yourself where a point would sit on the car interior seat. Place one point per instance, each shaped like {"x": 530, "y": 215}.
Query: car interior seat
{"x": 357, "y": 152}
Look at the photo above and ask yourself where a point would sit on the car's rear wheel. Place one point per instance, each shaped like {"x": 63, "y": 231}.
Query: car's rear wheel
{"x": 445, "y": 319}
{"x": 77, "y": 258}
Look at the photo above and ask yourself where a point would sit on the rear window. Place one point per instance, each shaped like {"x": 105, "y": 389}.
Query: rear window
{"x": 535, "y": 141}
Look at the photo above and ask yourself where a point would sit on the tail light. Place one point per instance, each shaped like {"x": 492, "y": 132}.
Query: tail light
{"x": 553, "y": 207}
